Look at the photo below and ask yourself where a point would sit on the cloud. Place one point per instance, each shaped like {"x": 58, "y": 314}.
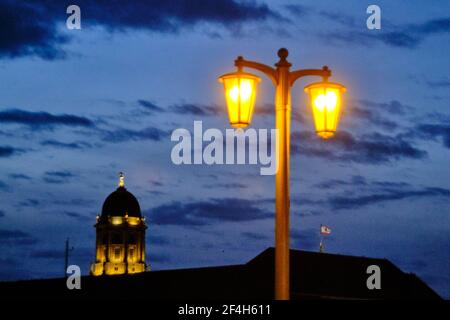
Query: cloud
{"x": 157, "y": 240}
{"x": 360, "y": 182}
{"x": 333, "y": 183}
{"x": 255, "y": 236}
{"x": 58, "y": 177}
{"x": 373, "y": 117}
{"x": 195, "y": 110}
{"x": 432, "y": 132}
{"x": 8, "y": 151}
{"x": 393, "y": 39}
{"x": 375, "y": 148}
{"x": 47, "y": 254}
{"x": 345, "y": 202}
{"x": 305, "y": 239}
{"x": 380, "y": 114}
{"x": 10, "y": 264}
{"x": 433, "y": 26}
{"x": 32, "y": 28}
{"x": 418, "y": 264}
{"x": 76, "y": 216}
{"x": 172, "y": 16}
{"x": 123, "y": 135}
{"x": 156, "y": 183}
{"x": 207, "y": 176}
{"x": 59, "y": 174}
{"x": 20, "y": 176}
{"x": 3, "y": 186}
{"x": 66, "y": 145}
{"x": 28, "y": 29}
{"x": 150, "y": 106}
{"x": 172, "y": 214}
{"x": 390, "y": 184}
{"x": 232, "y": 185}
{"x": 15, "y": 237}
{"x": 398, "y": 39}
{"x": 29, "y": 203}
{"x": 444, "y": 83}
{"x": 79, "y": 202}
{"x": 342, "y": 19}
{"x": 298, "y": 10}
{"x": 158, "y": 257}
{"x": 392, "y": 107}
{"x": 182, "y": 109}
{"x": 77, "y": 255}
{"x": 307, "y": 212}
{"x": 437, "y": 117}
{"x": 407, "y": 36}
{"x": 12, "y": 269}
{"x": 156, "y": 193}
{"x": 265, "y": 109}
{"x": 43, "y": 120}
{"x": 199, "y": 213}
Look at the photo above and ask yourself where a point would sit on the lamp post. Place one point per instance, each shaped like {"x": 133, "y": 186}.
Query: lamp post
{"x": 240, "y": 93}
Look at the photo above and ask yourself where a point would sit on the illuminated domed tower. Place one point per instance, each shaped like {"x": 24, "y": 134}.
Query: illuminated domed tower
{"x": 120, "y": 244}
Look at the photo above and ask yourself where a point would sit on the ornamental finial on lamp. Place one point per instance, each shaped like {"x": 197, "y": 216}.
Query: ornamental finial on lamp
{"x": 121, "y": 180}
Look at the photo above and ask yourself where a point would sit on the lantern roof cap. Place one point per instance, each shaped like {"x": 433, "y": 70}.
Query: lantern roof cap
{"x": 326, "y": 84}
{"x": 239, "y": 74}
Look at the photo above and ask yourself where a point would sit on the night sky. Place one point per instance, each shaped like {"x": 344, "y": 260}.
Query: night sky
{"x": 79, "y": 106}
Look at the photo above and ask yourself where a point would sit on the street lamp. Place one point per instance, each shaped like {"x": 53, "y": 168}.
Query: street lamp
{"x": 326, "y": 101}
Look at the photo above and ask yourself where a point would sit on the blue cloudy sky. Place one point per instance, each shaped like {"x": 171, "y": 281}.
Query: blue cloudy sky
{"x": 78, "y": 106}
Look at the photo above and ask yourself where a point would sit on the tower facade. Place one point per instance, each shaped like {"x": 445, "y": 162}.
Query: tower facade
{"x": 120, "y": 235}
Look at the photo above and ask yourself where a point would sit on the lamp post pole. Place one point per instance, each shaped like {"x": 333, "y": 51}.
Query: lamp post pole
{"x": 282, "y": 198}
{"x": 282, "y": 79}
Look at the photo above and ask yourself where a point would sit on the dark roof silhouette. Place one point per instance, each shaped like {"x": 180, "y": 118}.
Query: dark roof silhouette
{"x": 120, "y": 203}
{"x": 313, "y": 276}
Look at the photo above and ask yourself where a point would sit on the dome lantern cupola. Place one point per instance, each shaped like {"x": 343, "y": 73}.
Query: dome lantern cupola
{"x": 121, "y": 180}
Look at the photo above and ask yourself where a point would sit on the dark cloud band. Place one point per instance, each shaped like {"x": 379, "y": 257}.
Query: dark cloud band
{"x": 31, "y": 28}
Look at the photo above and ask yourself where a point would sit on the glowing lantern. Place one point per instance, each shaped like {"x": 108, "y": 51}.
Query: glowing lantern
{"x": 326, "y": 102}
{"x": 240, "y": 93}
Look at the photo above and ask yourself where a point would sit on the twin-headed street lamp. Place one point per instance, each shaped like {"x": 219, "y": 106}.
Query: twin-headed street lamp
{"x": 326, "y": 101}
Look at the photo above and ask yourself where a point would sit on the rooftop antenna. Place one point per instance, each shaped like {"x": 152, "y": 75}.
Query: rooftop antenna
{"x": 66, "y": 256}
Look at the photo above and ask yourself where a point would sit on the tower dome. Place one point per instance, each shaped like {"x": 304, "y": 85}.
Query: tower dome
{"x": 121, "y": 203}
{"x": 120, "y": 235}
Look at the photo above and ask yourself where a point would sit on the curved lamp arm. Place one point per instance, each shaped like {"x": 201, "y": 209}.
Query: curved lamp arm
{"x": 325, "y": 73}
{"x": 268, "y": 71}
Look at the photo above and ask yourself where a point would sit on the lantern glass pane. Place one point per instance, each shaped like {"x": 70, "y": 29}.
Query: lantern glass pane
{"x": 240, "y": 93}
{"x": 326, "y": 101}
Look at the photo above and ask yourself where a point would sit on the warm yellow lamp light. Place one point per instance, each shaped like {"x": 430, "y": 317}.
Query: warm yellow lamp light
{"x": 326, "y": 103}
{"x": 133, "y": 221}
{"x": 240, "y": 94}
{"x": 116, "y": 220}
